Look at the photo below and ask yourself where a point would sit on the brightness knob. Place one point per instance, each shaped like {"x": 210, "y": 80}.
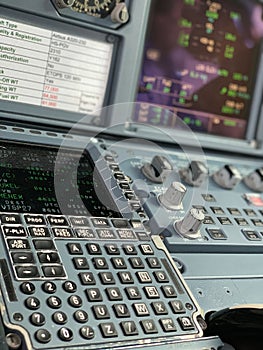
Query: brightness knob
{"x": 189, "y": 226}
{"x": 64, "y": 3}
{"x": 227, "y": 177}
{"x": 172, "y": 198}
{"x": 158, "y": 170}
{"x": 254, "y": 180}
{"x": 195, "y": 174}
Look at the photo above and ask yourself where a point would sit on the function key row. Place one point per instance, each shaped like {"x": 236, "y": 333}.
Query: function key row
{"x": 61, "y": 220}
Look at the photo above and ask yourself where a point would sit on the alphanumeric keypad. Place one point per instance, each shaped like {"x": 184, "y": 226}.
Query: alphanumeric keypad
{"x": 93, "y": 281}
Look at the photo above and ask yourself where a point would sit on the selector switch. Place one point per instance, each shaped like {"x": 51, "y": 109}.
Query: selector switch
{"x": 254, "y": 180}
{"x": 189, "y": 226}
{"x": 158, "y": 170}
{"x": 172, "y": 198}
{"x": 195, "y": 174}
{"x": 227, "y": 177}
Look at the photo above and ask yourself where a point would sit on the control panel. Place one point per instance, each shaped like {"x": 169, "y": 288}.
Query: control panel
{"x": 78, "y": 267}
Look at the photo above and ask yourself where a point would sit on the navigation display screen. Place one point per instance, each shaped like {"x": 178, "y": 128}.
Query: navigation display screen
{"x": 38, "y": 179}
{"x": 51, "y": 69}
{"x": 200, "y": 62}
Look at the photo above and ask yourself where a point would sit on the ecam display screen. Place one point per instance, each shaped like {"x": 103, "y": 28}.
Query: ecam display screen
{"x": 46, "y": 180}
{"x": 200, "y": 62}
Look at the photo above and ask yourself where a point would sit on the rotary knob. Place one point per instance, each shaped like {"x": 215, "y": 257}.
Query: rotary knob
{"x": 254, "y": 180}
{"x": 158, "y": 170}
{"x": 64, "y": 3}
{"x": 195, "y": 174}
{"x": 227, "y": 177}
{"x": 172, "y": 198}
{"x": 189, "y": 226}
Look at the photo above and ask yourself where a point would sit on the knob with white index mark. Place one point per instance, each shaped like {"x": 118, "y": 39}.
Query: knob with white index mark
{"x": 227, "y": 177}
{"x": 254, "y": 180}
{"x": 189, "y": 226}
{"x": 195, "y": 174}
{"x": 158, "y": 170}
{"x": 172, "y": 198}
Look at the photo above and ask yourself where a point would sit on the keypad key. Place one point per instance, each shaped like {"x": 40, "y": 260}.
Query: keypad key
{"x": 54, "y": 302}
{"x": 100, "y": 312}
{"x": 100, "y": 222}
{"x": 108, "y": 330}
{"x": 32, "y": 303}
{"x": 34, "y": 219}
{"x": 160, "y": 276}
{"x": 129, "y": 249}
{"x": 62, "y": 232}
{"x": 159, "y": 308}
{"x": 27, "y": 271}
{"x": 18, "y": 244}
{"x": 49, "y": 287}
{"x": 186, "y": 323}
{"x": 146, "y": 249}
{"x": 112, "y": 249}
{"x": 153, "y": 263}
{"x": 93, "y": 249}
{"x": 44, "y": 244}
{"x": 177, "y": 307}
{"x": 141, "y": 309}
{"x": 149, "y": 326}
{"x": 106, "y": 278}
{"x": 168, "y": 325}
{"x": 10, "y": 219}
{"x": 65, "y": 334}
{"x": 74, "y": 248}
{"x": 93, "y": 294}
{"x": 87, "y": 278}
{"x": 80, "y": 263}
{"x": 118, "y": 263}
{"x": 169, "y": 291}
{"x": 133, "y": 293}
{"x": 48, "y": 258}
{"x": 38, "y": 231}
{"x": 54, "y": 220}
{"x": 143, "y": 277}
{"x": 75, "y": 301}
{"x": 87, "y": 332}
{"x": 136, "y": 263}
{"x": 59, "y": 317}
{"x": 106, "y": 234}
{"x": 43, "y": 336}
{"x": 125, "y": 277}
{"x": 114, "y": 293}
{"x": 53, "y": 271}
{"x": 86, "y": 233}
{"x": 151, "y": 292}
{"x": 37, "y": 319}
{"x": 22, "y": 258}
{"x": 79, "y": 221}
{"x": 100, "y": 263}
{"x": 81, "y": 316}
{"x": 121, "y": 310}
{"x": 27, "y": 288}
{"x": 129, "y": 328}
{"x": 69, "y": 287}
{"x": 14, "y": 231}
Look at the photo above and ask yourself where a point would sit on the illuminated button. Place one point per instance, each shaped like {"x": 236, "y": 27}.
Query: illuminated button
{"x": 224, "y": 220}
{"x": 27, "y": 271}
{"x": 234, "y": 211}
{"x": 62, "y": 232}
{"x": 85, "y": 233}
{"x": 120, "y": 223}
{"x": 34, "y": 219}
{"x": 257, "y": 222}
{"x": 44, "y": 244}
{"x": 10, "y": 219}
{"x": 106, "y": 234}
{"x": 251, "y": 235}
{"x": 241, "y": 221}
{"x": 217, "y": 210}
{"x": 48, "y": 258}
{"x": 22, "y": 258}
{"x": 57, "y": 220}
{"x": 15, "y": 231}
{"x": 38, "y": 231}
{"x": 100, "y": 222}
{"x": 254, "y": 199}
{"x": 54, "y": 271}
{"x": 208, "y": 220}
{"x": 126, "y": 234}
{"x": 79, "y": 221}
{"x": 250, "y": 212}
{"x": 19, "y": 244}
{"x": 216, "y": 233}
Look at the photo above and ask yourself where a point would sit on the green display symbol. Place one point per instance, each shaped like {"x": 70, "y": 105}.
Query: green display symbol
{"x": 223, "y": 91}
